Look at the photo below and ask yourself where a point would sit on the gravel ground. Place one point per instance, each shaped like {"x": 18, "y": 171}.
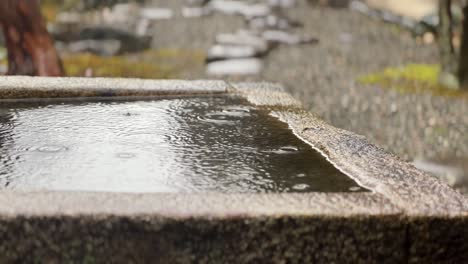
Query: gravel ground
{"x": 324, "y": 77}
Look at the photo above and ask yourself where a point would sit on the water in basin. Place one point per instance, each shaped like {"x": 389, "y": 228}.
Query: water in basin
{"x": 201, "y": 144}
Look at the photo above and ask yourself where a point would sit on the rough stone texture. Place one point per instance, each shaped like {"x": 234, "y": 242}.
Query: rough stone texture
{"x": 14, "y": 87}
{"x": 372, "y": 167}
{"x": 146, "y": 239}
{"x": 324, "y": 78}
{"x": 408, "y": 217}
{"x": 210, "y": 205}
{"x": 264, "y": 94}
{"x": 438, "y": 240}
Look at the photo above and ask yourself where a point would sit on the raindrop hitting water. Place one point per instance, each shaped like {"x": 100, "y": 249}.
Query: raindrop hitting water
{"x": 200, "y": 144}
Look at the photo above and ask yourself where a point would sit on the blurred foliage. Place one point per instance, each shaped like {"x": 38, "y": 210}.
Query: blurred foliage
{"x": 414, "y": 78}
{"x": 50, "y": 10}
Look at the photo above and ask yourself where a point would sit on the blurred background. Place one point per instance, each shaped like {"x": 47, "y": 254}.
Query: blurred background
{"x": 370, "y": 67}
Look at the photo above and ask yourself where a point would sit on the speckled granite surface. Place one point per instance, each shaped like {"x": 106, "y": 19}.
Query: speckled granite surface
{"x": 408, "y": 216}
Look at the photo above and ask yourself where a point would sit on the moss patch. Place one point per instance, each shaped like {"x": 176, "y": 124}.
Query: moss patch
{"x": 78, "y": 65}
{"x": 412, "y": 78}
{"x": 152, "y": 64}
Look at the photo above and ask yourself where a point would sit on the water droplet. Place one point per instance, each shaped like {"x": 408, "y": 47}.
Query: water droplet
{"x": 51, "y": 149}
{"x": 355, "y": 189}
{"x": 218, "y": 118}
{"x": 301, "y": 175}
{"x": 130, "y": 114}
{"x": 286, "y": 150}
{"x": 236, "y": 111}
{"x": 301, "y": 187}
{"x": 290, "y": 148}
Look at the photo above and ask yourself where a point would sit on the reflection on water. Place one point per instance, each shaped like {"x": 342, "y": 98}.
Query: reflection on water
{"x": 168, "y": 145}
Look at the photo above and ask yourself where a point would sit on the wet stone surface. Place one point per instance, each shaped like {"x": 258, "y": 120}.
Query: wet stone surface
{"x": 201, "y": 144}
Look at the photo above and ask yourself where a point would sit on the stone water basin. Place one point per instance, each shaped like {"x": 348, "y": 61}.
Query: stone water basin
{"x": 133, "y": 171}
{"x": 186, "y": 144}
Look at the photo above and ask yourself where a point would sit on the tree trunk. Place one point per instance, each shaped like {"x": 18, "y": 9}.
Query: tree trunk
{"x": 30, "y": 48}
{"x": 463, "y": 61}
{"x": 448, "y": 56}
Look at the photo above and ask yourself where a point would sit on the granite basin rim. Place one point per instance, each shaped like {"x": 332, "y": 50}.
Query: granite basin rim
{"x": 397, "y": 187}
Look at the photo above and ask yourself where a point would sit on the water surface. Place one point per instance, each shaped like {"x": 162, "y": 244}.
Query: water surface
{"x": 200, "y": 144}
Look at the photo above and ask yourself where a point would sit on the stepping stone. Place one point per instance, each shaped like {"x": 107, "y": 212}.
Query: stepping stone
{"x": 228, "y": 7}
{"x": 154, "y": 13}
{"x": 109, "y": 47}
{"x": 271, "y": 22}
{"x": 257, "y": 10}
{"x": 240, "y": 8}
{"x": 223, "y": 52}
{"x": 283, "y": 37}
{"x": 235, "y": 67}
{"x": 120, "y": 13}
{"x": 243, "y": 39}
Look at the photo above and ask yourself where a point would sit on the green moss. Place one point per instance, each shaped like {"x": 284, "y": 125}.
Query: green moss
{"x": 413, "y": 78}
{"x": 412, "y": 72}
{"x": 152, "y": 64}
{"x": 78, "y": 65}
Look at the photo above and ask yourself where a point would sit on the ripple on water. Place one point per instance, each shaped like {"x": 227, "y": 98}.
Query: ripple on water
{"x": 285, "y": 150}
{"x": 218, "y": 118}
{"x": 301, "y": 187}
{"x": 236, "y": 111}
{"x": 50, "y": 149}
{"x": 170, "y": 145}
